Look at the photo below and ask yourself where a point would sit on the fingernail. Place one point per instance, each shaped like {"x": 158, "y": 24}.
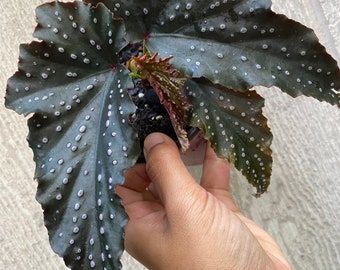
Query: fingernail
{"x": 151, "y": 141}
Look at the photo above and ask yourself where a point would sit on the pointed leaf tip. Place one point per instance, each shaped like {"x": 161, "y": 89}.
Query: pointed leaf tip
{"x": 234, "y": 124}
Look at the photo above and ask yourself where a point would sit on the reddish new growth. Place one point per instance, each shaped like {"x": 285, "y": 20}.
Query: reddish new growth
{"x": 114, "y": 67}
{"x": 167, "y": 83}
{"x": 146, "y": 36}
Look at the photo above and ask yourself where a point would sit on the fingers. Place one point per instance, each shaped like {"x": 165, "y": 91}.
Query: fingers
{"x": 135, "y": 186}
{"x": 136, "y": 178}
{"x": 170, "y": 178}
{"x": 166, "y": 169}
{"x": 129, "y": 196}
{"x": 216, "y": 171}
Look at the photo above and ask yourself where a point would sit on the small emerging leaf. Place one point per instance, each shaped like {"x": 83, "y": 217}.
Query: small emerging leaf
{"x": 167, "y": 83}
{"x": 234, "y": 124}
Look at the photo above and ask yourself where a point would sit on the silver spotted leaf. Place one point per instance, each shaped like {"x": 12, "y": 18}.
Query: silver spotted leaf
{"x": 79, "y": 132}
{"x": 236, "y": 43}
{"x": 234, "y": 123}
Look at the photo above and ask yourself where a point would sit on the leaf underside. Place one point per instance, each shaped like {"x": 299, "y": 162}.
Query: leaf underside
{"x": 79, "y": 131}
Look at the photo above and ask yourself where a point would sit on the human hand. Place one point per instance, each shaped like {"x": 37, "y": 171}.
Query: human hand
{"x": 176, "y": 223}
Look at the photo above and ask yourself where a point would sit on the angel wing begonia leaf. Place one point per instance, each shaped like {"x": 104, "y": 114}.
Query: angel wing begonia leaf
{"x": 79, "y": 132}
{"x": 238, "y": 44}
{"x": 234, "y": 123}
{"x": 72, "y": 83}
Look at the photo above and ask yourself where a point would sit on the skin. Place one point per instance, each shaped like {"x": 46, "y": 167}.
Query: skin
{"x": 176, "y": 223}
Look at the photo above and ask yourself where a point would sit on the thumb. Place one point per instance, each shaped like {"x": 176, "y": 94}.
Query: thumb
{"x": 170, "y": 177}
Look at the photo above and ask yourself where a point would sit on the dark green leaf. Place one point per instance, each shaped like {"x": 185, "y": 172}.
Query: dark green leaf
{"x": 79, "y": 133}
{"x": 168, "y": 16}
{"x": 238, "y": 44}
{"x": 235, "y": 126}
